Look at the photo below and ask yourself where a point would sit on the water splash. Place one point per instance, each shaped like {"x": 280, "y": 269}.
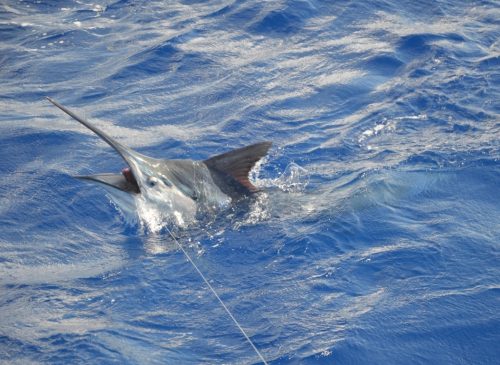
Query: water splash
{"x": 294, "y": 179}
{"x": 153, "y": 219}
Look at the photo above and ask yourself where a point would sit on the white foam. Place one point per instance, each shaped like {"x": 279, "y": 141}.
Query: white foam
{"x": 294, "y": 179}
{"x": 389, "y": 125}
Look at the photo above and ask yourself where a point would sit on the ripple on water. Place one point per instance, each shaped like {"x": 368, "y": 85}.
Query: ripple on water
{"x": 376, "y": 237}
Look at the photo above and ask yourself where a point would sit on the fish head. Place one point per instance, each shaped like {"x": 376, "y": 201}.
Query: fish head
{"x": 158, "y": 192}
{"x": 147, "y": 181}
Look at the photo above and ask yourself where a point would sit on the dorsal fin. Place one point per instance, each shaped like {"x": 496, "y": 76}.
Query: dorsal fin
{"x": 238, "y": 163}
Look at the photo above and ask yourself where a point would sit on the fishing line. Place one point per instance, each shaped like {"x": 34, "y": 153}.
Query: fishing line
{"x": 217, "y": 296}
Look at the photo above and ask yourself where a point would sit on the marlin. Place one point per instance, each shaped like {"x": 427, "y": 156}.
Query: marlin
{"x": 177, "y": 188}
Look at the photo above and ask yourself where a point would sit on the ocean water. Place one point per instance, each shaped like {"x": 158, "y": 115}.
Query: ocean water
{"x": 376, "y": 239}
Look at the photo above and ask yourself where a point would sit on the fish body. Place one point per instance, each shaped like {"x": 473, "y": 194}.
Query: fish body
{"x": 176, "y": 188}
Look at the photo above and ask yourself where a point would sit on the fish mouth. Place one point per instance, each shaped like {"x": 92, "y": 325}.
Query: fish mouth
{"x": 126, "y": 181}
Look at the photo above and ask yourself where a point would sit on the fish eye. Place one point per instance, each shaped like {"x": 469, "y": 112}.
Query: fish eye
{"x": 152, "y": 181}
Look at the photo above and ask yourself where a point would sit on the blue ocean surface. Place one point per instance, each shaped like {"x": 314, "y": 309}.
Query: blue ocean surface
{"x": 375, "y": 239}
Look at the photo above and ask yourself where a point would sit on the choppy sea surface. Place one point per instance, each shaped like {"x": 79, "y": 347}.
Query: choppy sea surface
{"x": 376, "y": 239}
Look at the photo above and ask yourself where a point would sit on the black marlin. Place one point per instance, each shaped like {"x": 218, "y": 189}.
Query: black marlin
{"x": 177, "y": 188}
